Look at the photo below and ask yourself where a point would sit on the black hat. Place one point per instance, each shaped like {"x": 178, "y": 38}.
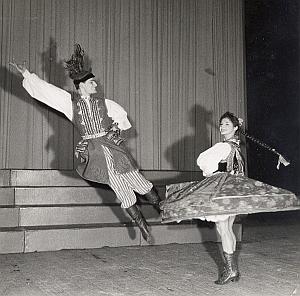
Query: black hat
{"x": 75, "y": 67}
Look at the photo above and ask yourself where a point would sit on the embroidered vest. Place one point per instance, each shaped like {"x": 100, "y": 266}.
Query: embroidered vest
{"x": 234, "y": 162}
{"x": 93, "y": 120}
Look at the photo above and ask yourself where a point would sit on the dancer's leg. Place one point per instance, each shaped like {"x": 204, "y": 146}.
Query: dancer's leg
{"x": 227, "y": 239}
{"x": 230, "y": 228}
{"x": 126, "y": 195}
{"x": 144, "y": 187}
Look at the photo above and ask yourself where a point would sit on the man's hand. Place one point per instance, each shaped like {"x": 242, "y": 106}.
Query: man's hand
{"x": 81, "y": 148}
{"x": 115, "y": 128}
{"x": 20, "y": 68}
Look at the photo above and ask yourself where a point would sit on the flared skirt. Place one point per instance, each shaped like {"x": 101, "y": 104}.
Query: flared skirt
{"x": 223, "y": 195}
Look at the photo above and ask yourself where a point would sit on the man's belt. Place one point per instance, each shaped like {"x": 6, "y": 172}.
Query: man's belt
{"x": 113, "y": 136}
{"x": 93, "y": 136}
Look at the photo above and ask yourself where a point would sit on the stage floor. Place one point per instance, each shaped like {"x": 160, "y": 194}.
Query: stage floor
{"x": 269, "y": 261}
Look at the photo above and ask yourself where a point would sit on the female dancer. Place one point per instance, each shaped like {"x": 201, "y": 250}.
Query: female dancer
{"x": 224, "y": 193}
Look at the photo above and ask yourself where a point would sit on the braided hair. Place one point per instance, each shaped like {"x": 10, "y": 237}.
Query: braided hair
{"x": 255, "y": 140}
{"x": 238, "y": 122}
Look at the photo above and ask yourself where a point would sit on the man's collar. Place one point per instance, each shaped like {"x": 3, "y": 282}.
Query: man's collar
{"x": 77, "y": 97}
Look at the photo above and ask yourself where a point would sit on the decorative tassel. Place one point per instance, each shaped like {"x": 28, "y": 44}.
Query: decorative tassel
{"x": 282, "y": 160}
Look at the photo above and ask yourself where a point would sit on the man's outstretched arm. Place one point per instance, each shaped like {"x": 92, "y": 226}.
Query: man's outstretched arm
{"x": 45, "y": 92}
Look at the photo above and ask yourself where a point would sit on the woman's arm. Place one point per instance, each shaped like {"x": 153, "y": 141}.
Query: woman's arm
{"x": 45, "y": 92}
{"x": 209, "y": 159}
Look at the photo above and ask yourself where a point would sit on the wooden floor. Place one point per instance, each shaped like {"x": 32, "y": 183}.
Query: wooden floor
{"x": 269, "y": 261}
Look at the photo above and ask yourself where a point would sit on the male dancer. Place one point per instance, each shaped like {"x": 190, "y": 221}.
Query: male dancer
{"x": 103, "y": 156}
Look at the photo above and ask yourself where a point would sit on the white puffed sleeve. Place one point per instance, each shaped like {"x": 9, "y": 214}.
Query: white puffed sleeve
{"x": 209, "y": 159}
{"x": 118, "y": 114}
{"x": 48, "y": 94}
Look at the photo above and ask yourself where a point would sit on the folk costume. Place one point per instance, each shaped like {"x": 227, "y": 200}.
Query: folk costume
{"x": 226, "y": 192}
{"x": 223, "y": 194}
{"x": 102, "y": 153}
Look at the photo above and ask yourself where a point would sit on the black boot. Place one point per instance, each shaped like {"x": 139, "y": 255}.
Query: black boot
{"x": 153, "y": 197}
{"x": 231, "y": 272}
{"x": 137, "y": 216}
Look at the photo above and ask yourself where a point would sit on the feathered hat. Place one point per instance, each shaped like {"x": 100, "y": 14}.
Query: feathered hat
{"x": 75, "y": 66}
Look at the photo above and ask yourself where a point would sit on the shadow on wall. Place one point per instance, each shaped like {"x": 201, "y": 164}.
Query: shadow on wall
{"x": 183, "y": 154}
{"x": 54, "y": 73}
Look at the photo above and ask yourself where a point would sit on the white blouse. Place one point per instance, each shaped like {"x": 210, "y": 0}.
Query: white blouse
{"x": 61, "y": 100}
{"x": 209, "y": 159}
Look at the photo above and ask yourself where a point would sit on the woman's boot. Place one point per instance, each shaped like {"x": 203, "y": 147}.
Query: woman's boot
{"x": 231, "y": 272}
{"x": 153, "y": 197}
{"x": 137, "y": 216}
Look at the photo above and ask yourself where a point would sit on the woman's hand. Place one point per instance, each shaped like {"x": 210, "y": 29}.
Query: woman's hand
{"x": 20, "y": 68}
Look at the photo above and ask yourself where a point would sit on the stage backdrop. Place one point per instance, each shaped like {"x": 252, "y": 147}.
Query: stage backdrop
{"x": 174, "y": 65}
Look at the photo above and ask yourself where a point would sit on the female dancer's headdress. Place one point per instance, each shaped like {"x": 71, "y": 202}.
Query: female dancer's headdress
{"x": 76, "y": 68}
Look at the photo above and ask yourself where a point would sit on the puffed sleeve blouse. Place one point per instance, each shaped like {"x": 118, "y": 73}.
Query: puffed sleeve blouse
{"x": 209, "y": 159}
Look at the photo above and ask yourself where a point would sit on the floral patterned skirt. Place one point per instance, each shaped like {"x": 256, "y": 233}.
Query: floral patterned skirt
{"x": 222, "y": 195}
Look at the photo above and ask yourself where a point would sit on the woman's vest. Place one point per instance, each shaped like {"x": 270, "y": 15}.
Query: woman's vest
{"x": 234, "y": 162}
